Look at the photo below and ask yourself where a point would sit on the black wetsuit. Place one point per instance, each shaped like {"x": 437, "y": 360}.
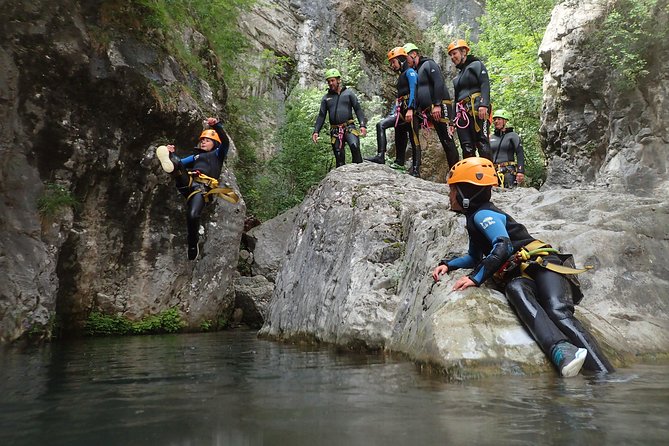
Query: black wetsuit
{"x": 340, "y": 108}
{"x": 545, "y": 301}
{"x": 210, "y": 164}
{"x": 472, "y": 90}
{"x": 405, "y": 100}
{"x": 507, "y": 154}
{"x": 431, "y": 91}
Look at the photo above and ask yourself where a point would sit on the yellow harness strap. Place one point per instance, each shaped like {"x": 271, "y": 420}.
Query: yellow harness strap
{"x": 532, "y": 252}
{"x": 225, "y": 193}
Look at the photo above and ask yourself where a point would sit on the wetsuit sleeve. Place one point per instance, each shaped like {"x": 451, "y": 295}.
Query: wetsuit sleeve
{"x": 412, "y": 77}
{"x": 358, "y": 111}
{"x": 467, "y": 261}
{"x": 520, "y": 153}
{"x": 437, "y": 81}
{"x": 493, "y": 226}
{"x": 222, "y": 150}
{"x": 320, "y": 120}
{"x": 484, "y": 82}
{"x": 190, "y": 159}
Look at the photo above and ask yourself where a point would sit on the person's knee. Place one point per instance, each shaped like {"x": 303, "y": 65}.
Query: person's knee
{"x": 468, "y": 150}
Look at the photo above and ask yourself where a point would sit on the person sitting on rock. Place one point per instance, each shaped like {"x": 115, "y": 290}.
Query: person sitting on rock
{"x": 196, "y": 176}
{"x": 538, "y": 281}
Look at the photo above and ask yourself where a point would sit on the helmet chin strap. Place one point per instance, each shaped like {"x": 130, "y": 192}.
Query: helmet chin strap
{"x": 465, "y": 200}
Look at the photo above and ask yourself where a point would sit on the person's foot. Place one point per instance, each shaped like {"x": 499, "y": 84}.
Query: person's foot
{"x": 379, "y": 158}
{"x": 193, "y": 251}
{"x": 395, "y": 165}
{"x": 568, "y": 358}
{"x": 163, "y": 156}
{"x": 415, "y": 172}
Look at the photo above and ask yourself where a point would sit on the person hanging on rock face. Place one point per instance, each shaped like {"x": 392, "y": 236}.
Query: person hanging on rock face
{"x": 538, "y": 281}
{"x": 196, "y": 176}
{"x": 405, "y": 100}
{"x": 507, "y": 151}
{"x": 472, "y": 101}
{"x": 433, "y": 101}
{"x": 339, "y": 103}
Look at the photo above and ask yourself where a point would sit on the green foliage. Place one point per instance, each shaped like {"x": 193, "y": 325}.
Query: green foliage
{"x": 625, "y": 39}
{"x": 511, "y": 32}
{"x": 55, "y": 199}
{"x": 206, "y": 325}
{"x": 274, "y": 186}
{"x": 349, "y": 64}
{"x": 99, "y": 324}
{"x": 283, "y": 181}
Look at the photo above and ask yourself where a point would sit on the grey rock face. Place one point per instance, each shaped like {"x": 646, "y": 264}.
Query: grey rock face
{"x": 86, "y": 115}
{"x": 593, "y": 131}
{"x": 364, "y": 243}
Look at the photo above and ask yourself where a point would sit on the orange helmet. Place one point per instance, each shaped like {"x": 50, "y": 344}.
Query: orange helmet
{"x": 474, "y": 170}
{"x": 396, "y": 52}
{"x": 211, "y": 134}
{"x": 457, "y": 43}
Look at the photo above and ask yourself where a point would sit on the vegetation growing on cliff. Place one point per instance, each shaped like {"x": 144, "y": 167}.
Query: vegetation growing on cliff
{"x": 627, "y": 39}
{"x": 99, "y": 324}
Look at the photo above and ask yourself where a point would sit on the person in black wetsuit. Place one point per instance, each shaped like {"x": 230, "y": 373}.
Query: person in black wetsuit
{"x": 540, "y": 286}
{"x": 507, "y": 151}
{"x": 193, "y": 175}
{"x": 433, "y": 101}
{"x": 472, "y": 101}
{"x": 339, "y": 103}
{"x": 405, "y": 100}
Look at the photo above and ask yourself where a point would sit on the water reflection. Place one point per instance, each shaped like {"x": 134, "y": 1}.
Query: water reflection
{"x": 232, "y": 389}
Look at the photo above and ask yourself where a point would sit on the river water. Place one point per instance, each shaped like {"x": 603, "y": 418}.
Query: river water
{"x": 230, "y": 388}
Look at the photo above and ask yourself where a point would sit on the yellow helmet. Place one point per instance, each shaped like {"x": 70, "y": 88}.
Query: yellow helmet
{"x": 474, "y": 170}
{"x": 211, "y": 134}
{"x": 396, "y": 52}
{"x": 457, "y": 43}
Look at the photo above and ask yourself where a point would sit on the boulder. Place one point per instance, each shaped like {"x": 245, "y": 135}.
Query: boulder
{"x": 358, "y": 268}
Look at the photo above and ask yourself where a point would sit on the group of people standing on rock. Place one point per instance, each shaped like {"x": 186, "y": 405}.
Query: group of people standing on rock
{"x": 422, "y": 103}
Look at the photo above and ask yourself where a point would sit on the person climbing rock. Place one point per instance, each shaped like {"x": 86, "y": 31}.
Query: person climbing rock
{"x": 539, "y": 282}
{"x": 196, "y": 176}
{"x": 433, "y": 101}
{"x": 339, "y": 103}
{"x": 507, "y": 151}
{"x": 472, "y": 101}
{"x": 405, "y": 100}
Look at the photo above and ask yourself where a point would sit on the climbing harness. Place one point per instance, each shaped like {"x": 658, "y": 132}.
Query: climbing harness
{"x": 337, "y": 131}
{"x": 532, "y": 254}
{"x": 400, "y": 104}
{"x": 225, "y": 193}
{"x": 463, "y": 109}
{"x": 503, "y": 168}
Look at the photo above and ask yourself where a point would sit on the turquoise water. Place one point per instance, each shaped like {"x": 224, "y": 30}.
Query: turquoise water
{"x": 230, "y": 388}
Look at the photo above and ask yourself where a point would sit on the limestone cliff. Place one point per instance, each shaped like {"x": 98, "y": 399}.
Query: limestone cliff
{"x": 594, "y": 131}
{"x": 86, "y": 97}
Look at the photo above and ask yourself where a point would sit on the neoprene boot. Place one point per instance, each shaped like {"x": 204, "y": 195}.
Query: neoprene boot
{"x": 568, "y": 358}
{"x": 163, "y": 156}
{"x": 379, "y": 158}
